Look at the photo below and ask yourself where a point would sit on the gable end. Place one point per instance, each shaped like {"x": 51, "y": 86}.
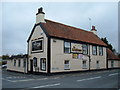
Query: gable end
{"x": 39, "y": 24}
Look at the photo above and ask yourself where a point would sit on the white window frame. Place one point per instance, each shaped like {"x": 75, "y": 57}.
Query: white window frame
{"x": 19, "y": 63}
{"x": 35, "y": 61}
{"x": 67, "y": 45}
{"x": 112, "y": 64}
{"x": 94, "y": 50}
{"x": 100, "y": 51}
{"x": 43, "y": 64}
{"x": 14, "y": 62}
{"x": 24, "y": 63}
{"x": 67, "y": 66}
{"x": 85, "y": 48}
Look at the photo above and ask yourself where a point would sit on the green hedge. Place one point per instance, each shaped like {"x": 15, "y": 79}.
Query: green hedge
{"x": 0, "y": 63}
{"x": 4, "y": 62}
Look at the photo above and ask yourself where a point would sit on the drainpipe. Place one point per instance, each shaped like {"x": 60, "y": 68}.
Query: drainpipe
{"x": 106, "y": 61}
{"x": 27, "y": 57}
{"x": 89, "y": 58}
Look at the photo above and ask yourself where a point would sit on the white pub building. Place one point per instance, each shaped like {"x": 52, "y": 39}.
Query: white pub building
{"x": 54, "y": 47}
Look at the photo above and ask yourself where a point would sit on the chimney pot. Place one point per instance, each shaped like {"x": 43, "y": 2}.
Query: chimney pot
{"x": 40, "y": 10}
{"x": 93, "y": 27}
{"x": 94, "y": 30}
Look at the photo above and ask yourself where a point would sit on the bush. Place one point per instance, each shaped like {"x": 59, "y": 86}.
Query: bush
{"x": 4, "y": 62}
{"x": 0, "y": 63}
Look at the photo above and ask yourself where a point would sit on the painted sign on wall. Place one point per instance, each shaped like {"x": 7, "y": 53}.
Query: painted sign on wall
{"x": 75, "y": 47}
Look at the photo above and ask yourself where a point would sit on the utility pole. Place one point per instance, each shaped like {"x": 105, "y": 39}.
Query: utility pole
{"x": 89, "y": 45}
{"x": 90, "y": 22}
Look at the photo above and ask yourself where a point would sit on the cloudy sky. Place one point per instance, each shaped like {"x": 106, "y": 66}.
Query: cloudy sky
{"x": 18, "y": 20}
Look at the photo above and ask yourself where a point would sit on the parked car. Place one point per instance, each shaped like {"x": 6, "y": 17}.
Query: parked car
{"x": 4, "y": 66}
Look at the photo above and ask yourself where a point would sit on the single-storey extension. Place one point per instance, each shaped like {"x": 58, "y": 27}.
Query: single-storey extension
{"x": 18, "y": 63}
{"x": 112, "y": 59}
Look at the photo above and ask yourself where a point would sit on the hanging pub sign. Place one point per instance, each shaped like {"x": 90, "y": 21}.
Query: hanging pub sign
{"x": 75, "y": 47}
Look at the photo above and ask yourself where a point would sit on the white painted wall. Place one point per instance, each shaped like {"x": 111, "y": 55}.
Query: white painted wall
{"x": 101, "y": 59}
{"x": 40, "y": 18}
{"x": 37, "y": 34}
{"x": 58, "y": 56}
{"x": 10, "y": 65}
{"x": 116, "y": 64}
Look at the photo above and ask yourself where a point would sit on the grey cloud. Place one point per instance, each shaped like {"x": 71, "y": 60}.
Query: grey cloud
{"x": 19, "y": 19}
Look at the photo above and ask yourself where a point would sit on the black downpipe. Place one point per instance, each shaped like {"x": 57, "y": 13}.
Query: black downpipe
{"x": 48, "y": 56}
{"x": 89, "y": 58}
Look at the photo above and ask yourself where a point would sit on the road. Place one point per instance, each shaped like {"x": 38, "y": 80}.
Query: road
{"x": 93, "y": 79}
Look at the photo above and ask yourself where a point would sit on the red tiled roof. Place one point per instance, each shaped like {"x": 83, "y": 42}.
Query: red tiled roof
{"x": 68, "y": 32}
{"x": 111, "y": 55}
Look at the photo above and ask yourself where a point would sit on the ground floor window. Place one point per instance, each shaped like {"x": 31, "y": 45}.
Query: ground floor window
{"x": 112, "y": 64}
{"x": 66, "y": 64}
{"x": 97, "y": 64}
{"x": 35, "y": 61}
{"x": 19, "y": 63}
{"x": 43, "y": 64}
{"x": 14, "y": 62}
{"x": 84, "y": 63}
{"x": 24, "y": 63}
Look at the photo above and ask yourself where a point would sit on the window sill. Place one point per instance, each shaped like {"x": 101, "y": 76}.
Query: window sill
{"x": 100, "y": 55}
{"x": 84, "y": 68}
{"x": 94, "y": 54}
{"x": 36, "y": 51}
{"x": 67, "y": 69}
{"x": 67, "y": 53}
{"x": 43, "y": 70}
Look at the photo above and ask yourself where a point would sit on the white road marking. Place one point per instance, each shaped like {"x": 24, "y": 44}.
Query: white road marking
{"x": 15, "y": 77}
{"x": 113, "y": 74}
{"x": 89, "y": 79}
{"x": 9, "y": 77}
{"x": 55, "y": 78}
{"x": 50, "y": 85}
{"x": 6, "y": 79}
{"x": 28, "y": 80}
{"x": 22, "y": 80}
{"x": 25, "y": 79}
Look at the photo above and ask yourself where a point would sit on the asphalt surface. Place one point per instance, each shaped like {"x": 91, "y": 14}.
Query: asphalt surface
{"x": 94, "y": 79}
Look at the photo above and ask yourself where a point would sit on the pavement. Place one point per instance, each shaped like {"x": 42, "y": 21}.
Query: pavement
{"x": 94, "y": 79}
